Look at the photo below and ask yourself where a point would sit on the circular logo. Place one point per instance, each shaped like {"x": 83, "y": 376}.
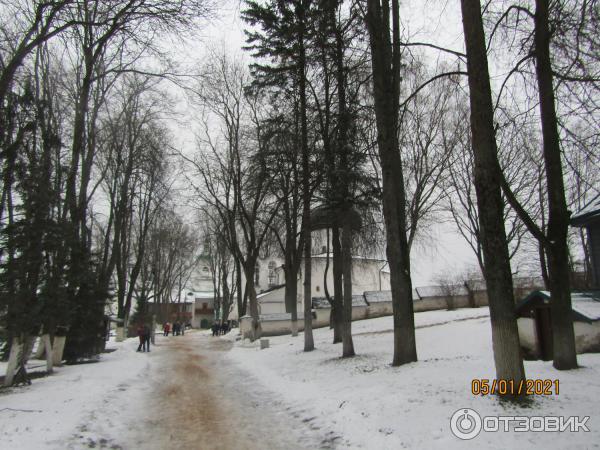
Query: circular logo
{"x": 465, "y": 424}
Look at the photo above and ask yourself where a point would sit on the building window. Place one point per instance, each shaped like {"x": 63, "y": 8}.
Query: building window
{"x": 204, "y": 305}
{"x": 318, "y": 289}
{"x": 324, "y": 249}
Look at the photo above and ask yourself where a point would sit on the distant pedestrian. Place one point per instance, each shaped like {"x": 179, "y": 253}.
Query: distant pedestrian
{"x": 214, "y": 328}
{"x": 147, "y": 336}
{"x": 166, "y": 328}
{"x": 141, "y": 336}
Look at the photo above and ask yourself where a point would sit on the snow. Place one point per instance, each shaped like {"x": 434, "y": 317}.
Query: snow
{"x": 357, "y": 257}
{"x": 78, "y": 405}
{"x": 354, "y": 403}
{"x": 586, "y": 304}
{"x": 588, "y": 211}
{"x": 323, "y": 303}
{"x": 385, "y": 296}
{"x": 440, "y": 291}
{"x": 369, "y": 404}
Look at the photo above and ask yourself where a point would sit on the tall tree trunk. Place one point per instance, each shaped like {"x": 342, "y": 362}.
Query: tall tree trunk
{"x": 543, "y": 264}
{"x": 249, "y": 272}
{"x": 563, "y": 336}
{"x": 241, "y": 307}
{"x": 345, "y": 150}
{"x": 226, "y": 300}
{"x": 309, "y": 344}
{"x": 291, "y": 296}
{"x": 587, "y": 259}
{"x": 338, "y": 283}
{"x": 347, "y": 343}
{"x": 505, "y": 335}
{"x": 385, "y": 55}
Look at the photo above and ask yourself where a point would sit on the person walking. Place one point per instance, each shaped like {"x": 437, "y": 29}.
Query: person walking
{"x": 141, "y": 337}
{"x": 147, "y": 335}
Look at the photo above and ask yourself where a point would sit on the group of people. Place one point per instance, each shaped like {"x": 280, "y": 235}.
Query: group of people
{"x": 144, "y": 334}
{"x": 177, "y": 328}
{"x": 219, "y": 328}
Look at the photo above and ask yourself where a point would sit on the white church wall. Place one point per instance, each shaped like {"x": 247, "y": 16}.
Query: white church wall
{"x": 366, "y": 276}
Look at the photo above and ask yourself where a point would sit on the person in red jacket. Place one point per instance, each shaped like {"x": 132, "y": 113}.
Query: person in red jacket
{"x": 166, "y": 328}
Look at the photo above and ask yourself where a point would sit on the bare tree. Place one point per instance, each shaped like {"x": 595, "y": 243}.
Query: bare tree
{"x": 505, "y": 335}
{"x": 234, "y": 174}
{"x": 426, "y": 143}
{"x": 459, "y": 187}
{"x": 537, "y": 46}
{"x": 172, "y": 252}
{"x": 287, "y": 189}
{"x": 25, "y": 28}
{"x": 385, "y": 54}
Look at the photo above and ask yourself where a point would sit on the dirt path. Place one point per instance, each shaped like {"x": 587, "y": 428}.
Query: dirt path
{"x": 203, "y": 401}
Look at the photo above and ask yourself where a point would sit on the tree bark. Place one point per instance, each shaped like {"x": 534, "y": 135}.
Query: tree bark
{"x": 249, "y": 272}
{"x": 563, "y": 336}
{"x": 347, "y": 343}
{"x": 505, "y": 335}
{"x": 386, "y": 83}
{"x": 291, "y": 298}
{"x": 241, "y": 307}
{"x": 309, "y": 344}
{"x": 543, "y": 264}
{"x": 338, "y": 283}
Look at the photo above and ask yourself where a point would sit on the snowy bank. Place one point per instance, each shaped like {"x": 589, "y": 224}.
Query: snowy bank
{"x": 79, "y": 406}
{"x": 371, "y": 405}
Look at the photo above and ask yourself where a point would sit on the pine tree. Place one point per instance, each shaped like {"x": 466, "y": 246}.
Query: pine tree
{"x": 285, "y": 30}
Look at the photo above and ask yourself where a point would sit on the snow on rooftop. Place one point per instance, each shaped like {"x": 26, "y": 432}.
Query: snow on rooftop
{"x": 586, "y": 304}
{"x": 321, "y": 302}
{"x": 385, "y": 296}
{"x": 592, "y": 209}
{"x": 203, "y": 294}
{"x": 355, "y": 257}
{"x": 378, "y": 296}
{"x": 441, "y": 291}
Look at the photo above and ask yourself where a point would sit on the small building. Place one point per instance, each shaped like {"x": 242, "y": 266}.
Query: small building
{"x": 179, "y": 311}
{"x": 535, "y": 323}
{"x": 367, "y": 275}
{"x": 204, "y": 308}
{"x": 589, "y": 218}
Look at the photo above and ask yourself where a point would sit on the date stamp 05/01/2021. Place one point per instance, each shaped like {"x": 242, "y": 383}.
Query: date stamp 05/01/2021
{"x": 485, "y": 386}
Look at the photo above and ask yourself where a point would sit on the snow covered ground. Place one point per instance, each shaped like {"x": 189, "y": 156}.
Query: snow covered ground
{"x": 283, "y": 398}
{"x": 184, "y": 394}
{"x": 371, "y": 405}
{"x": 80, "y": 406}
